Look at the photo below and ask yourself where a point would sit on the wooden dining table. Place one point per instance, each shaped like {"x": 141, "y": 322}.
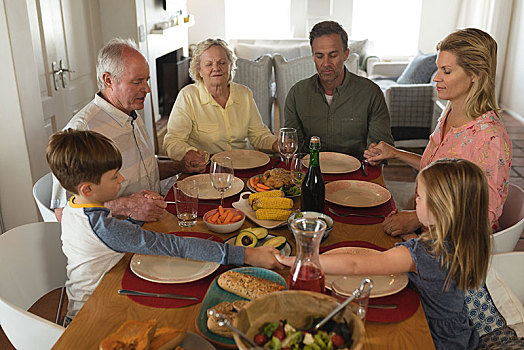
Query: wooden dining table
{"x": 106, "y": 310}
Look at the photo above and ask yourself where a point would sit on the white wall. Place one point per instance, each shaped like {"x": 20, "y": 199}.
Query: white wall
{"x": 438, "y": 19}
{"x": 513, "y": 79}
{"x": 16, "y": 200}
{"x": 209, "y": 18}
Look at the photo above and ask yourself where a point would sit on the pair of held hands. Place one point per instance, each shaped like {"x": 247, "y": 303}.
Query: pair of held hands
{"x": 396, "y": 223}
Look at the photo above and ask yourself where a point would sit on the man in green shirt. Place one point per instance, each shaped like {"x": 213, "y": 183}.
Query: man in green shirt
{"x": 345, "y": 110}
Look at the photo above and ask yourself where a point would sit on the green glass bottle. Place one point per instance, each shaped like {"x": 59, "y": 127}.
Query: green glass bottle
{"x": 313, "y": 187}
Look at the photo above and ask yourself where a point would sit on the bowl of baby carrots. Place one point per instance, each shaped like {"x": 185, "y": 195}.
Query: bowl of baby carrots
{"x": 224, "y": 220}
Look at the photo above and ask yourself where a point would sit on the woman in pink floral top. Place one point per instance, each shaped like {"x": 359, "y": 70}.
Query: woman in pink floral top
{"x": 470, "y": 127}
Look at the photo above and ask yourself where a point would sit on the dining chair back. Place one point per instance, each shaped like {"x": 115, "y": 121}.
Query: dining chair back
{"x": 509, "y": 268}
{"x": 42, "y": 194}
{"x": 511, "y": 221}
{"x": 31, "y": 265}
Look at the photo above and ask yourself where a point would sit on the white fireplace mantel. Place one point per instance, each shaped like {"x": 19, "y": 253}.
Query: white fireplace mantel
{"x": 136, "y": 20}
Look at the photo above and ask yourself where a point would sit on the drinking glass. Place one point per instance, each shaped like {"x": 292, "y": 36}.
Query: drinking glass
{"x": 343, "y": 287}
{"x": 222, "y": 175}
{"x": 287, "y": 143}
{"x": 298, "y": 168}
{"x": 186, "y": 199}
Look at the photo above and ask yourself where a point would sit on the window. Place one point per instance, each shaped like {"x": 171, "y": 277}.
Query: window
{"x": 250, "y": 19}
{"x": 392, "y": 26}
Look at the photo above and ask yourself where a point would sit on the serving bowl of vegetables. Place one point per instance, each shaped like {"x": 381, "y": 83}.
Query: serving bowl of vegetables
{"x": 286, "y": 320}
{"x": 224, "y": 220}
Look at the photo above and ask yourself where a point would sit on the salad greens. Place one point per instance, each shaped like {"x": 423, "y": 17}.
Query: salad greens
{"x": 281, "y": 335}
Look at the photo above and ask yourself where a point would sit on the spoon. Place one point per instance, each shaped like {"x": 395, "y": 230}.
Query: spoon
{"x": 362, "y": 289}
{"x": 223, "y": 321}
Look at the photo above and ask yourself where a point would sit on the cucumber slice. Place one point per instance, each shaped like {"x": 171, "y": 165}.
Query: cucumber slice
{"x": 278, "y": 242}
{"x": 260, "y": 232}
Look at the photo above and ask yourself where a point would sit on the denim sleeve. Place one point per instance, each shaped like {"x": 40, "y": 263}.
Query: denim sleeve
{"x": 123, "y": 236}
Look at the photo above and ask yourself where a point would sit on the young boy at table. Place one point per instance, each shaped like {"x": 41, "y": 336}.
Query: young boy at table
{"x": 87, "y": 164}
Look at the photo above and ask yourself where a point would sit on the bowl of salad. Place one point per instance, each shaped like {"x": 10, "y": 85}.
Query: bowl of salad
{"x": 287, "y": 319}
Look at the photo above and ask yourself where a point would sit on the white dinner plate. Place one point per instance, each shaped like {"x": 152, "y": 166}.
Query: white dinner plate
{"x": 335, "y": 163}
{"x": 354, "y": 193}
{"x": 286, "y": 251}
{"x": 167, "y": 269}
{"x": 382, "y": 284}
{"x": 243, "y": 204}
{"x": 245, "y": 158}
{"x": 207, "y": 191}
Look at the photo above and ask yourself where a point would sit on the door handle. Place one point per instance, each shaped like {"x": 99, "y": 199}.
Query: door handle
{"x": 63, "y": 77}
{"x": 56, "y": 74}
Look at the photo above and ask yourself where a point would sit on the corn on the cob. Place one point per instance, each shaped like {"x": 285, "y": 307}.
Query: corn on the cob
{"x": 274, "y": 193}
{"x": 273, "y": 203}
{"x": 272, "y": 214}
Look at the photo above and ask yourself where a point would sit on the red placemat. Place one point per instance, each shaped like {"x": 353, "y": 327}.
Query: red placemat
{"x": 407, "y": 300}
{"x": 203, "y": 205}
{"x": 196, "y": 289}
{"x": 383, "y": 209}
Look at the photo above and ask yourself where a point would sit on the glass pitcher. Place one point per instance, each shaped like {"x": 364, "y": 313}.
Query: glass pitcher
{"x": 306, "y": 273}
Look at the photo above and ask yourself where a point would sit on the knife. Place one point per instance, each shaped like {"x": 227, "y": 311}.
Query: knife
{"x": 156, "y": 295}
{"x": 383, "y": 306}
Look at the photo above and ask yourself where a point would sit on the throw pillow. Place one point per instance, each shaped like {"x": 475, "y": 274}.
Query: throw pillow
{"x": 482, "y": 311}
{"x": 358, "y": 46}
{"x": 419, "y": 70}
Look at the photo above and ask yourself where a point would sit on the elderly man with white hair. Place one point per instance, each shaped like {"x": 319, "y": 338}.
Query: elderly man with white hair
{"x": 122, "y": 77}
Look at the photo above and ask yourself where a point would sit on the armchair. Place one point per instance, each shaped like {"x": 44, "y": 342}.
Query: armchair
{"x": 256, "y": 75}
{"x": 410, "y": 97}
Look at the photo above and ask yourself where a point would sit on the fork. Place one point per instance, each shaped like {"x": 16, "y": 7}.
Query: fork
{"x": 355, "y": 214}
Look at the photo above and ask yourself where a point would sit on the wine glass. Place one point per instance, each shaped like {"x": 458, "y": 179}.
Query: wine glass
{"x": 222, "y": 175}
{"x": 299, "y": 167}
{"x": 287, "y": 143}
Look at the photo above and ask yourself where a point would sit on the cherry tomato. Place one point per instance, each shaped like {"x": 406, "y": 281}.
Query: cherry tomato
{"x": 279, "y": 333}
{"x": 260, "y": 339}
{"x": 337, "y": 340}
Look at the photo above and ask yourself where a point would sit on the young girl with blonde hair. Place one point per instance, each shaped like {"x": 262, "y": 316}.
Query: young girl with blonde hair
{"x": 451, "y": 257}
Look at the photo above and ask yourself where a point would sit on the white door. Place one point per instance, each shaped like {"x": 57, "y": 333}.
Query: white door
{"x": 65, "y": 38}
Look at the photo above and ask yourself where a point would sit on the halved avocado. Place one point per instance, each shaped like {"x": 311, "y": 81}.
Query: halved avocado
{"x": 246, "y": 239}
{"x": 278, "y": 242}
{"x": 260, "y": 232}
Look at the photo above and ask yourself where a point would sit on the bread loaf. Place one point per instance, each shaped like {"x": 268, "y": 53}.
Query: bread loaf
{"x": 138, "y": 335}
{"x": 247, "y": 286}
{"x": 167, "y": 338}
{"x": 132, "y": 334}
{"x": 225, "y": 308}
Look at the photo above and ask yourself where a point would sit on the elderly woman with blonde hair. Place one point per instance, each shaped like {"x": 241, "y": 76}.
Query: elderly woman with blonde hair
{"x": 214, "y": 114}
{"x": 470, "y": 127}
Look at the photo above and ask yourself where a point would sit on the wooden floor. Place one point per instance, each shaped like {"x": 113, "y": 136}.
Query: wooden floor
{"x": 46, "y": 307}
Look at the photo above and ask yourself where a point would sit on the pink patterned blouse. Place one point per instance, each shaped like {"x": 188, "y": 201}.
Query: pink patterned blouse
{"x": 483, "y": 141}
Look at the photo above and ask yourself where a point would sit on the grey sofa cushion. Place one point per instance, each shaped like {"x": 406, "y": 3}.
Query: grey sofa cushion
{"x": 419, "y": 70}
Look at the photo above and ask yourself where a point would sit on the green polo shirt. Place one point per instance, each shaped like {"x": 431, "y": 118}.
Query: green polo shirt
{"x": 358, "y": 115}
